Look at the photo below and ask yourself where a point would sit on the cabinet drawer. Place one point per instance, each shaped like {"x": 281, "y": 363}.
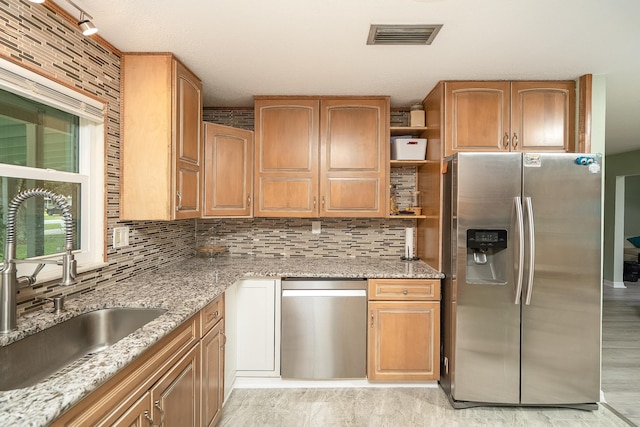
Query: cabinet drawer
{"x": 212, "y": 313}
{"x": 404, "y": 289}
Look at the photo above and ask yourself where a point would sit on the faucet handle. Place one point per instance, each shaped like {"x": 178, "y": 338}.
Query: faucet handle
{"x": 69, "y": 269}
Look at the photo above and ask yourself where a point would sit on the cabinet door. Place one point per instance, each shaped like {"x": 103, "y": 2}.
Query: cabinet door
{"x": 476, "y": 116}
{"x": 188, "y": 142}
{"x": 228, "y": 171}
{"x": 146, "y": 137}
{"x": 353, "y": 157}
{"x": 404, "y": 341}
{"x": 286, "y": 165}
{"x": 257, "y": 340}
{"x": 213, "y": 374}
{"x": 176, "y": 396}
{"x": 542, "y": 116}
{"x": 137, "y": 415}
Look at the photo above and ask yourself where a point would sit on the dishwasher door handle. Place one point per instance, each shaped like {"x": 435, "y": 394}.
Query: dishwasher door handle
{"x": 324, "y": 293}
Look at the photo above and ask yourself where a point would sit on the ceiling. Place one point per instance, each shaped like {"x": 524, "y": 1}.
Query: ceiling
{"x": 241, "y": 48}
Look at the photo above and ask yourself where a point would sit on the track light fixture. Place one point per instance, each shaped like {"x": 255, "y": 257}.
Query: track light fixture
{"x": 84, "y": 22}
{"x": 86, "y": 26}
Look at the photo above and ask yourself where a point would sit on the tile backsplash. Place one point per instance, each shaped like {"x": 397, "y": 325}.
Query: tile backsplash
{"x": 292, "y": 237}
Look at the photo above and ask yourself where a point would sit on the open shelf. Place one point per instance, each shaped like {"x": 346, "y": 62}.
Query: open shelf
{"x": 407, "y": 130}
{"x": 408, "y": 162}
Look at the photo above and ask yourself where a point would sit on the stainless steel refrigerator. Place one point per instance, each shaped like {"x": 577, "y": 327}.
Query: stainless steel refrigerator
{"x": 522, "y": 294}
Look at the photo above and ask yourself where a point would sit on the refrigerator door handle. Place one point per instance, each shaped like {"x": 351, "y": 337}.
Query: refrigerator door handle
{"x": 532, "y": 248}
{"x": 520, "y": 226}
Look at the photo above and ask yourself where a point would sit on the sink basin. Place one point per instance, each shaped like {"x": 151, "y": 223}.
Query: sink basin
{"x": 34, "y": 358}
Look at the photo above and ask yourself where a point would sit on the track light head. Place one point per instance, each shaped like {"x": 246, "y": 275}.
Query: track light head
{"x": 87, "y": 27}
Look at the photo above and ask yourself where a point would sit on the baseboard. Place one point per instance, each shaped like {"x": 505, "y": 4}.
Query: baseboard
{"x": 615, "y": 285}
{"x": 247, "y": 382}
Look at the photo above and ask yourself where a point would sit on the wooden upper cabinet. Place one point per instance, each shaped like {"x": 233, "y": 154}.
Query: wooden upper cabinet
{"x": 477, "y": 116}
{"x": 228, "y": 171}
{"x": 161, "y": 141}
{"x": 543, "y": 116}
{"x": 509, "y": 116}
{"x": 353, "y": 157}
{"x": 286, "y": 165}
{"x": 321, "y": 156}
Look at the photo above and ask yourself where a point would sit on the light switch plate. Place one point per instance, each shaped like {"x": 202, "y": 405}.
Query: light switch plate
{"x": 120, "y": 237}
{"x": 316, "y": 227}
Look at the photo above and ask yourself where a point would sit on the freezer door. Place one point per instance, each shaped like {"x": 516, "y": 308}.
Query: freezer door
{"x": 486, "y": 364}
{"x": 561, "y": 322}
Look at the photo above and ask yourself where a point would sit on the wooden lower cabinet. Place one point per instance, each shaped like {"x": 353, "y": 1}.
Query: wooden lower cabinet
{"x": 176, "y": 397}
{"x": 404, "y": 330}
{"x": 173, "y": 401}
{"x": 177, "y": 382}
{"x": 138, "y": 414}
{"x": 212, "y": 347}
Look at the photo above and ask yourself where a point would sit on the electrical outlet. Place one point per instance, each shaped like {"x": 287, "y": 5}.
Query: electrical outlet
{"x": 120, "y": 237}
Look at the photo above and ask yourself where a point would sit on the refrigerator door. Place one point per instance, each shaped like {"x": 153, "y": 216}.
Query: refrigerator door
{"x": 486, "y": 359}
{"x": 561, "y": 324}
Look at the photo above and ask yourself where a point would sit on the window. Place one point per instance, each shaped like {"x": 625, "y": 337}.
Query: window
{"x": 50, "y": 137}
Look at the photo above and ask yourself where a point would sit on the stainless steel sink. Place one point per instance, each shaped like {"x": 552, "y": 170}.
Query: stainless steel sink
{"x": 34, "y": 358}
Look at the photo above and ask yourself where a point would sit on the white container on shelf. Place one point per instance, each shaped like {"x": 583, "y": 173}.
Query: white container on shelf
{"x": 407, "y": 148}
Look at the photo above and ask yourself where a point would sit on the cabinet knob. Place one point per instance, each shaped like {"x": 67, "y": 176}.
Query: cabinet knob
{"x": 405, "y": 291}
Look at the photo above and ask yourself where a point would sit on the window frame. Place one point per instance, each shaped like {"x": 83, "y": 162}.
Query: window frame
{"x": 91, "y": 168}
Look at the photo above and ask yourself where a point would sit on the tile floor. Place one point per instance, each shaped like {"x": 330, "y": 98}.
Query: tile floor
{"x": 388, "y": 407}
{"x": 621, "y": 350}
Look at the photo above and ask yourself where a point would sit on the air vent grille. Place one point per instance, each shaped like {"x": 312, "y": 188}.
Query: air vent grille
{"x": 402, "y": 34}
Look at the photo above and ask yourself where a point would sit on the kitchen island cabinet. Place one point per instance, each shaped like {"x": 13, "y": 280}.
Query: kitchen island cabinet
{"x": 404, "y": 330}
{"x": 321, "y": 156}
{"x": 161, "y": 132}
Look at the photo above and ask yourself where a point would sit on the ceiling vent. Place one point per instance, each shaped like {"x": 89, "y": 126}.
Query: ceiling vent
{"x": 402, "y": 34}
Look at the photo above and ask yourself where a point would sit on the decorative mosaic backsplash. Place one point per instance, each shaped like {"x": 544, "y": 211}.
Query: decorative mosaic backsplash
{"x": 34, "y": 35}
{"x": 292, "y": 237}
{"x": 242, "y": 118}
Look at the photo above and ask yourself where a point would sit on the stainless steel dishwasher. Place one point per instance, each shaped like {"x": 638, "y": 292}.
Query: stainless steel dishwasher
{"x": 324, "y": 328}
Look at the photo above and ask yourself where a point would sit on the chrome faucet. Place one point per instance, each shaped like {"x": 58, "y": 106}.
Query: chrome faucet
{"x": 10, "y": 282}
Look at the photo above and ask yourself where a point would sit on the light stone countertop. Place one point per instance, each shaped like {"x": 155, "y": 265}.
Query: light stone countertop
{"x": 183, "y": 289}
